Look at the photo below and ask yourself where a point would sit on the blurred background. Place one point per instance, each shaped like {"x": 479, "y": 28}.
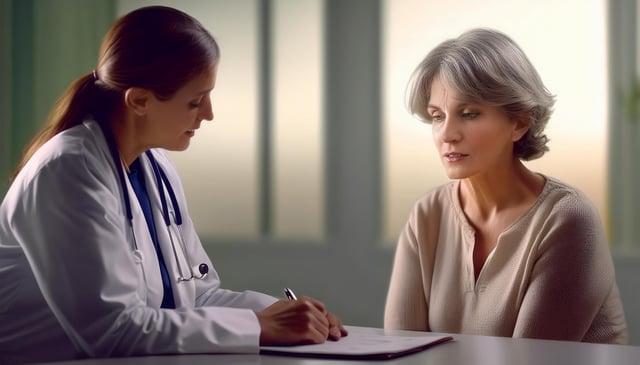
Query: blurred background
{"x": 309, "y": 170}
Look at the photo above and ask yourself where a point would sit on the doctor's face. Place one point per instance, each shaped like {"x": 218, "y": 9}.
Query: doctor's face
{"x": 173, "y": 122}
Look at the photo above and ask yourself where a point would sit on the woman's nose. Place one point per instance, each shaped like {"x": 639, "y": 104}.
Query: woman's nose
{"x": 449, "y": 131}
{"x": 206, "y": 109}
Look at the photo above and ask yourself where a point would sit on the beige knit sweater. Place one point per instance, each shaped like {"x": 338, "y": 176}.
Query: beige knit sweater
{"x": 550, "y": 275}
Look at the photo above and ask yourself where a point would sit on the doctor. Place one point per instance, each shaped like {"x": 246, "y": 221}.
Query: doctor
{"x": 98, "y": 255}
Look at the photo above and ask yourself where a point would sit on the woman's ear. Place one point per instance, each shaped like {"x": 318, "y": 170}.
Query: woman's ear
{"x": 520, "y": 126}
{"x": 136, "y": 100}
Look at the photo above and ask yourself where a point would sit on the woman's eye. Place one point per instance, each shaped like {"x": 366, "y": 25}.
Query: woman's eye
{"x": 195, "y": 104}
{"x": 437, "y": 117}
{"x": 470, "y": 115}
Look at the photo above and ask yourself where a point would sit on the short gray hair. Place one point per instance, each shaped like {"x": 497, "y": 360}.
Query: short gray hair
{"x": 490, "y": 68}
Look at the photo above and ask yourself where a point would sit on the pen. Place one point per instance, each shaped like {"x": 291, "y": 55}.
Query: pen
{"x": 290, "y": 294}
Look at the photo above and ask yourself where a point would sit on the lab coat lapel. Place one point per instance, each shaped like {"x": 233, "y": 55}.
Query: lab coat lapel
{"x": 183, "y": 291}
{"x": 149, "y": 260}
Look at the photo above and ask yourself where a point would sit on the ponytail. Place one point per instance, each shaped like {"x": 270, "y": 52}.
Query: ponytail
{"x": 77, "y": 102}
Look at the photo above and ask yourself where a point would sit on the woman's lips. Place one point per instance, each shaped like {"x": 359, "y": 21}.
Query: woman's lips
{"x": 454, "y": 156}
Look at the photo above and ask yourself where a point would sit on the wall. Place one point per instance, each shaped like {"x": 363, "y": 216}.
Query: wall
{"x": 628, "y": 278}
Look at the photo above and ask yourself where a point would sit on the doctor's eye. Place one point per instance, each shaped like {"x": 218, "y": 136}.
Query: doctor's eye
{"x": 195, "y": 104}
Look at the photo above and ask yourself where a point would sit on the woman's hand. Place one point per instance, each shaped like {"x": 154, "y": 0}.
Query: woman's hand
{"x": 302, "y": 321}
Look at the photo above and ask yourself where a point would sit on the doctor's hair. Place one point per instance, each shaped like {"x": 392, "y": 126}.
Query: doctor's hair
{"x": 157, "y": 48}
{"x": 488, "y": 67}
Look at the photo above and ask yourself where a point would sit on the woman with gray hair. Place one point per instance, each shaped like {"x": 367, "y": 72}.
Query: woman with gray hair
{"x": 500, "y": 250}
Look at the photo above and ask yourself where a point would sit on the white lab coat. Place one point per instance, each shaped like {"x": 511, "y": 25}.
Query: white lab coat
{"x": 71, "y": 284}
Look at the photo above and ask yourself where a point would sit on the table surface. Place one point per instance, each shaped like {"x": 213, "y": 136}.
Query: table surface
{"x": 464, "y": 349}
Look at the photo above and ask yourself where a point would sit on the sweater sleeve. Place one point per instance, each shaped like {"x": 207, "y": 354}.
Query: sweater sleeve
{"x": 406, "y": 306}
{"x": 572, "y": 276}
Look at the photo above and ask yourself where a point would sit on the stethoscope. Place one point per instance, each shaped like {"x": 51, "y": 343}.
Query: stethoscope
{"x": 199, "y": 271}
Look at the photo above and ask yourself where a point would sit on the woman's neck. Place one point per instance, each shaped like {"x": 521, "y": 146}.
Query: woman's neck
{"x": 127, "y": 140}
{"x": 500, "y": 190}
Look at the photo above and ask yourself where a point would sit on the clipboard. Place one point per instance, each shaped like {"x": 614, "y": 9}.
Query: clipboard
{"x": 361, "y": 346}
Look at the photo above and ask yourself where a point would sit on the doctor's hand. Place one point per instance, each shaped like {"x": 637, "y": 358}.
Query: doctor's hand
{"x": 302, "y": 321}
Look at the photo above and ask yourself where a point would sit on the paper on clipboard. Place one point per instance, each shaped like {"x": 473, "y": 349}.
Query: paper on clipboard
{"x": 361, "y": 346}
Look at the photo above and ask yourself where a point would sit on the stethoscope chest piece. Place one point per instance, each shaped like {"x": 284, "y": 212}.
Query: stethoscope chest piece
{"x": 200, "y": 271}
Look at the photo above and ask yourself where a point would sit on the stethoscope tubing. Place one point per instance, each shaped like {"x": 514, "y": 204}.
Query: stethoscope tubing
{"x": 162, "y": 182}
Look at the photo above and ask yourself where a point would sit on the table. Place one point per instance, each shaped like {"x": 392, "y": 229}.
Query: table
{"x": 464, "y": 349}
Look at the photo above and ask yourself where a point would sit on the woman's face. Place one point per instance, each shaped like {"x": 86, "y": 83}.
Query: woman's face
{"x": 472, "y": 139}
{"x": 172, "y": 123}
